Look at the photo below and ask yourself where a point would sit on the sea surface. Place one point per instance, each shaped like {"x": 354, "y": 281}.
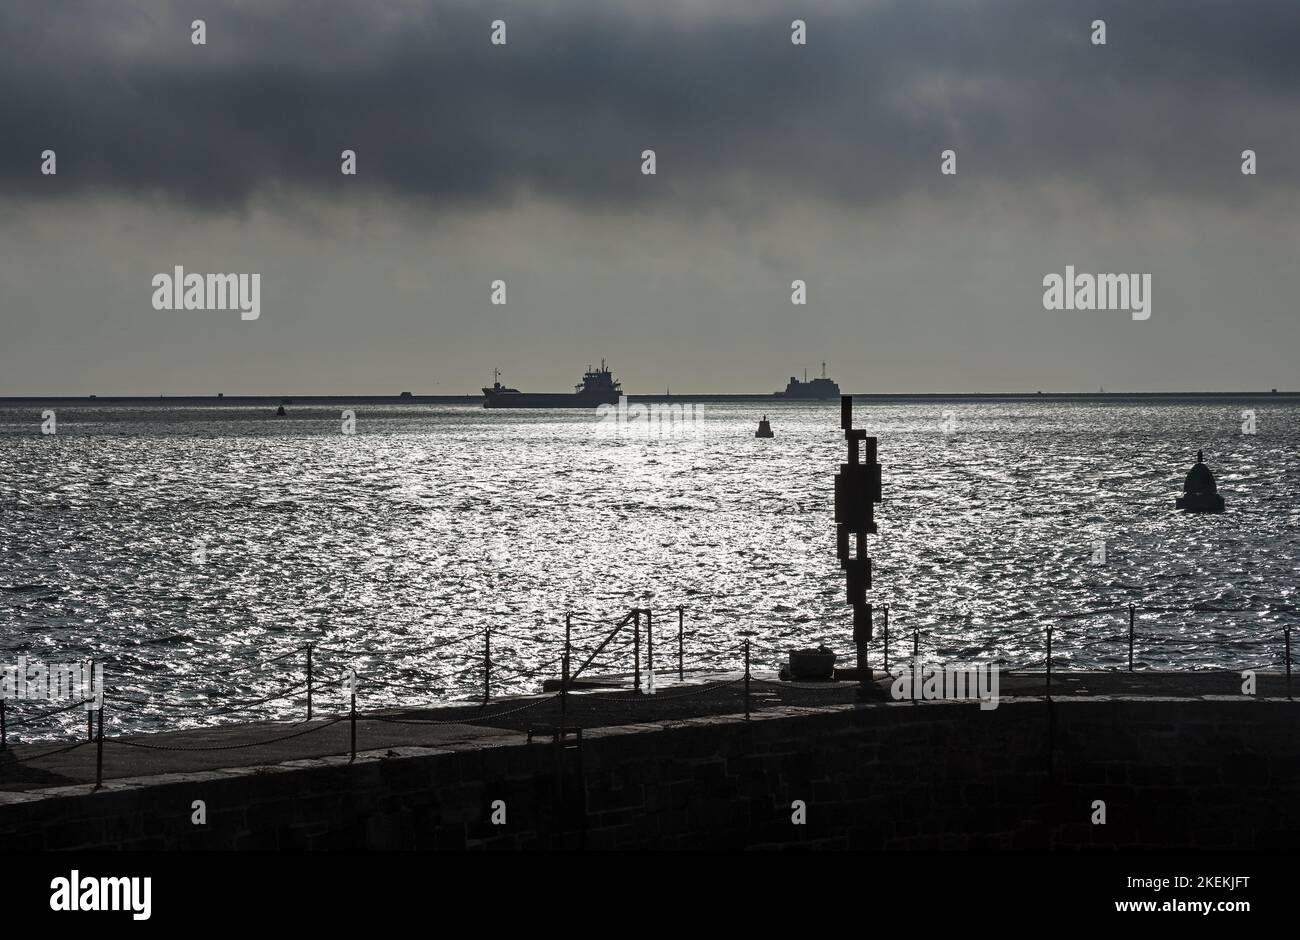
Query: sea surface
{"x": 193, "y": 549}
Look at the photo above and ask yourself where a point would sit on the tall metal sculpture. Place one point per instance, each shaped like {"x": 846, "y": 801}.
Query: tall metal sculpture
{"x": 857, "y": 490}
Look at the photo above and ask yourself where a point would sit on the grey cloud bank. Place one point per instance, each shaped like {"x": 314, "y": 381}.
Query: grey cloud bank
{"x": 522, "y": 163}
{"x": 734, "y": 110}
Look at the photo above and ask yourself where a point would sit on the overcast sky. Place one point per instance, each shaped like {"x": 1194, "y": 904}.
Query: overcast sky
{"x": 523, "y": 162}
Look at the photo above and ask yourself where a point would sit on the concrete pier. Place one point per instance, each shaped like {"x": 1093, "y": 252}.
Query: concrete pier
{"x": 1178, "y": 760}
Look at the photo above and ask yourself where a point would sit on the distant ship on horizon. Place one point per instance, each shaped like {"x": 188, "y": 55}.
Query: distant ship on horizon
{"x": 598, "y": 387}
{"x": 818, "y": 388}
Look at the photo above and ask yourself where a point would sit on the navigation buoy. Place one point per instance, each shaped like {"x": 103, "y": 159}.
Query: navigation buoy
{"x": 764, "y": 428}
{"x": 1199, "y": 492}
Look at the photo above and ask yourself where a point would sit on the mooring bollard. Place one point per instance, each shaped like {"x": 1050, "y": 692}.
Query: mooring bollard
{"x": 1132, "y": 614}
{"x": 487, "y": 664}
{"x": 681, "y": 657}
{"x": 309, "y": 646}
{"x": 99, "y": 750}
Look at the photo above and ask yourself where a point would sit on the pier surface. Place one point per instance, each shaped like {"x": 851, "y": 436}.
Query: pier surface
{"x": 609, "y": 702}
{"x": 1157, "y": 746}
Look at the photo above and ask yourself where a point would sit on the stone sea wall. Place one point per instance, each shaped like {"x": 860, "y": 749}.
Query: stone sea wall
{"x": 1171, "y": 772}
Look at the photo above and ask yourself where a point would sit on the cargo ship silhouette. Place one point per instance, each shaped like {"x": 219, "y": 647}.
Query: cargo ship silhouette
{"x": 821, "y": 388}
{"x": 598, "y": 387}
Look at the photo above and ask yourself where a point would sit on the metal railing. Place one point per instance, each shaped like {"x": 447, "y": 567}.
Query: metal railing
{"x": 602, "y": 642}
{"x": 312, "y": 683}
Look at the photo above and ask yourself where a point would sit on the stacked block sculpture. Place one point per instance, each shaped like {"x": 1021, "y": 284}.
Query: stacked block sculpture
{"x": 857, "y": 490}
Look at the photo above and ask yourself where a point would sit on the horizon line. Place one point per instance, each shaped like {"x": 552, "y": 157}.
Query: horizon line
{"x": 775, "y": 397}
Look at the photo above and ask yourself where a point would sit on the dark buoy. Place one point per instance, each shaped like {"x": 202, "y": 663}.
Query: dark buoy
{"x": 279, "y": 412}
{"x": 1199, "y": 492}
{"x": 764, "y": 428}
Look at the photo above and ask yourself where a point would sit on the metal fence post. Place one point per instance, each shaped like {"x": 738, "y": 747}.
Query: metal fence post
{"x": 487, "y": 664}
{"x": 681, "y": 671}
{"x": 4, "y": 734}
{"x": 564, "y": 689}
{"x": 650, "y": 642}
{"x": 99, "y": 750}
{"x": 564, "y": 673}
{"x": 90, "y": 715}
{"x": 916, "y": 659}
{"x": 636, "y": 649}
{"x": 1288, "y": 662}
{"x": 747, "y": 678}
{"x": 885, "y": 637}
{"x": 353, "y": 686}
{"x": 309, "y": 646}
{"x": 1049, "y": 662}
{"x": 1132, "y": 614}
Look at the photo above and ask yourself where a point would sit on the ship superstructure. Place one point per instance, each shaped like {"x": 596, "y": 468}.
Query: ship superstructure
{"x": 818, "y": 388}
{"x": 598, "y": 387}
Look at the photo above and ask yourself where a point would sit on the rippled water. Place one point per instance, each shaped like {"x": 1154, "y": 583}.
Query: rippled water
{"x": 183, "y": 545}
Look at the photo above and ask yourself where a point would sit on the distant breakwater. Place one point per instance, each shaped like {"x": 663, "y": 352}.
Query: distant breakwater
{"x": 1114, "y": 397}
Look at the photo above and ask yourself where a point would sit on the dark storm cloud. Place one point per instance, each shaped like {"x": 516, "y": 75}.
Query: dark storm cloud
{"x": 440, "y": 117}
